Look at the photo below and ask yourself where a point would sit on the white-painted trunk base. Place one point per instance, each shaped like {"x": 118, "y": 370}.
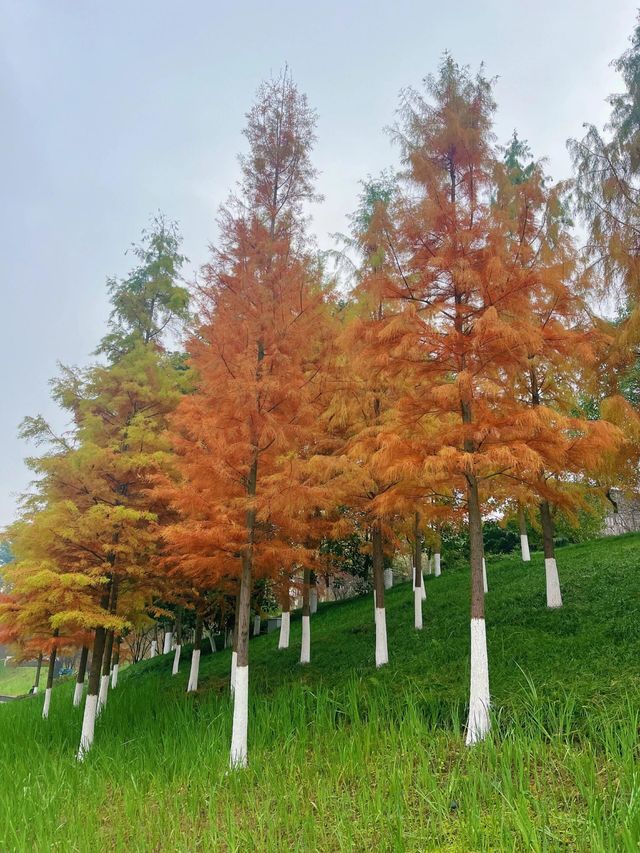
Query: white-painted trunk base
{"x": 114, "y": 675}
{"x": 479, "y": 722}
{"x": 417, "y": 609}
{"x": 104, "y": 691}
{"x": 47, "y": 703}
{"x": 257, "y": 624}
{"x": 388, "y": 578}
{"x": 154, "y": 649}
{"x": 285, "y": 631}
{"x": 382, "y": 654}
{"x": 305, "y": 647}
{"x": 437, "y": 569}
{"x": 423, "y": 590}
{"x": 524, "y": 548}
{"x": 88, "y": 726}
{"x": 238, "y": 756}
{"x": 168, "y": 637}
{"x": 554, "y": 596}
{"x": 192, "y": 685}
{"x": 77, "y": 693}
{"x": 234, "y": 667}
{"x": 212, "y": 643}
{"x": 35, "y": 689}
{"x": 484, "y": 575}
{"x": 176, "y": 661}
{"x": 313, "y": 600}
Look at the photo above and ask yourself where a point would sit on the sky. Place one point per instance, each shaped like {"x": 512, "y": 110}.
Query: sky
{"x": 113, "y": 111}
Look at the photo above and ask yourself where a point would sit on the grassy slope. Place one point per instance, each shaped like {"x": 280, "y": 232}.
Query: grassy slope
{"x": 344, "y": 757}
{"x": 16, "y": 680}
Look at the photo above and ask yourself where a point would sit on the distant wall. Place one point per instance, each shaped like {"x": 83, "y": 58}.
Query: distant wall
{"x": 626, "y": 519}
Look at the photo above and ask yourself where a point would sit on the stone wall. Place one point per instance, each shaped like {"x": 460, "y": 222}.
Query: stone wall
{"x": 626, "y": 519}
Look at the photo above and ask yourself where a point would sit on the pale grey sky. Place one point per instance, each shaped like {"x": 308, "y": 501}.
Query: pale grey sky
{"x": 115, "y": 110}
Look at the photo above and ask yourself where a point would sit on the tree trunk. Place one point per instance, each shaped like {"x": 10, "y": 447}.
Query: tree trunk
{"x": 212, "y": 642}
{"x": 91, "y": 702}
{"x": 479, "y": 721}
{"x": 238, "y": 756}
{"x": 485, "y": 582}
{"x": 285, "y": 622}
{"x": 234, "y": 646}
{"x": 106, "y": 672}
{"x": 524, "y": 537}
{"x": 313, "y": 593}
{"x": 82, "y": 669}
{"x": 50, "y": 671}
{"x": 168, "y": 637}
{"x": 153, "y": 651}
{"x": 115, "y": 663}
{"x": 305, "y": 646}
{"x": 176, "y": 658}
{"x": 108, "y": 650}
{"x": 257, "y": 625}
{"x": 36, "y": 681}
{"x": 192, "y": 684}
{"x": 382, "y": 655}
{"x": 437, "y": 568}
{"x": 418, "y": 580}
{"x": 554, "y": 596}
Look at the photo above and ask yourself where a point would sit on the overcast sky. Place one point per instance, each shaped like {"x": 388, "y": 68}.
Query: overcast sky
{"x": 114, "y": 110}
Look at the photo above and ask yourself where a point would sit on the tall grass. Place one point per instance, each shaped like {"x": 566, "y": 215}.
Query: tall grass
{"x": 345, "y": 757}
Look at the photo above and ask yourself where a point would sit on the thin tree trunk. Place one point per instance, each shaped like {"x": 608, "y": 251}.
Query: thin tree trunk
{"x": 108, "y": 650}
{"x": 257, "y": 625}
{"x": 238, "y": 756}
{"x": 554, "y": 596}
{"x": 479, "y": 721}
{"x": 524, "y": 536}
{"x": 192, "y": 684}
{"x": 418, "y": 580}
{"x": 50, "y": 671}
{"x": 176, "y": 658}
{"x": 313, "y": 594}
{"x": 153, "y": 651}
{"x": 305, "y": 646}
{"x": 234, "y": 645}
{"x": 419, "y": 543}
{"x": 382, "y": 655}
{"x": 239, "y": 747}
{"x": 82, "y": 670}
{"x": 36, "y": 681}
{"x": 115, "y": 663}
{"x": 285, "y": 621}
{"x": 437, "y": 568}
{"x": 168, "y": 637}
{"x": 485, "y": 581}
{"x": 91, "y": 702}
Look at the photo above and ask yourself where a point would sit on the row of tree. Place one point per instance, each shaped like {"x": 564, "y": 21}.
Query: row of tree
{"x": 465, "y": 372}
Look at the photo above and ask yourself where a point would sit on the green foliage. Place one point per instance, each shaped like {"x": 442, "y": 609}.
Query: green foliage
{"x": 150, "y": 299}
{"x": 518, "y": 160}
{"x": 347, "y": 757}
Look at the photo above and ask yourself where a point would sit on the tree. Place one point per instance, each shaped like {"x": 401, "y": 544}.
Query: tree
{"x": 467, "y": 321}
{"x": 149, "y": 302}
{"x": 256, "y": 352}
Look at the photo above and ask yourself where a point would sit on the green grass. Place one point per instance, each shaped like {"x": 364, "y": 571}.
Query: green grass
{"x": 344, "y": 757}
{"x": 16, "y": 680}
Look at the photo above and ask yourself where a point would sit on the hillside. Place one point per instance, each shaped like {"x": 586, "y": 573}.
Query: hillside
{"x": 344, "y": 757}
